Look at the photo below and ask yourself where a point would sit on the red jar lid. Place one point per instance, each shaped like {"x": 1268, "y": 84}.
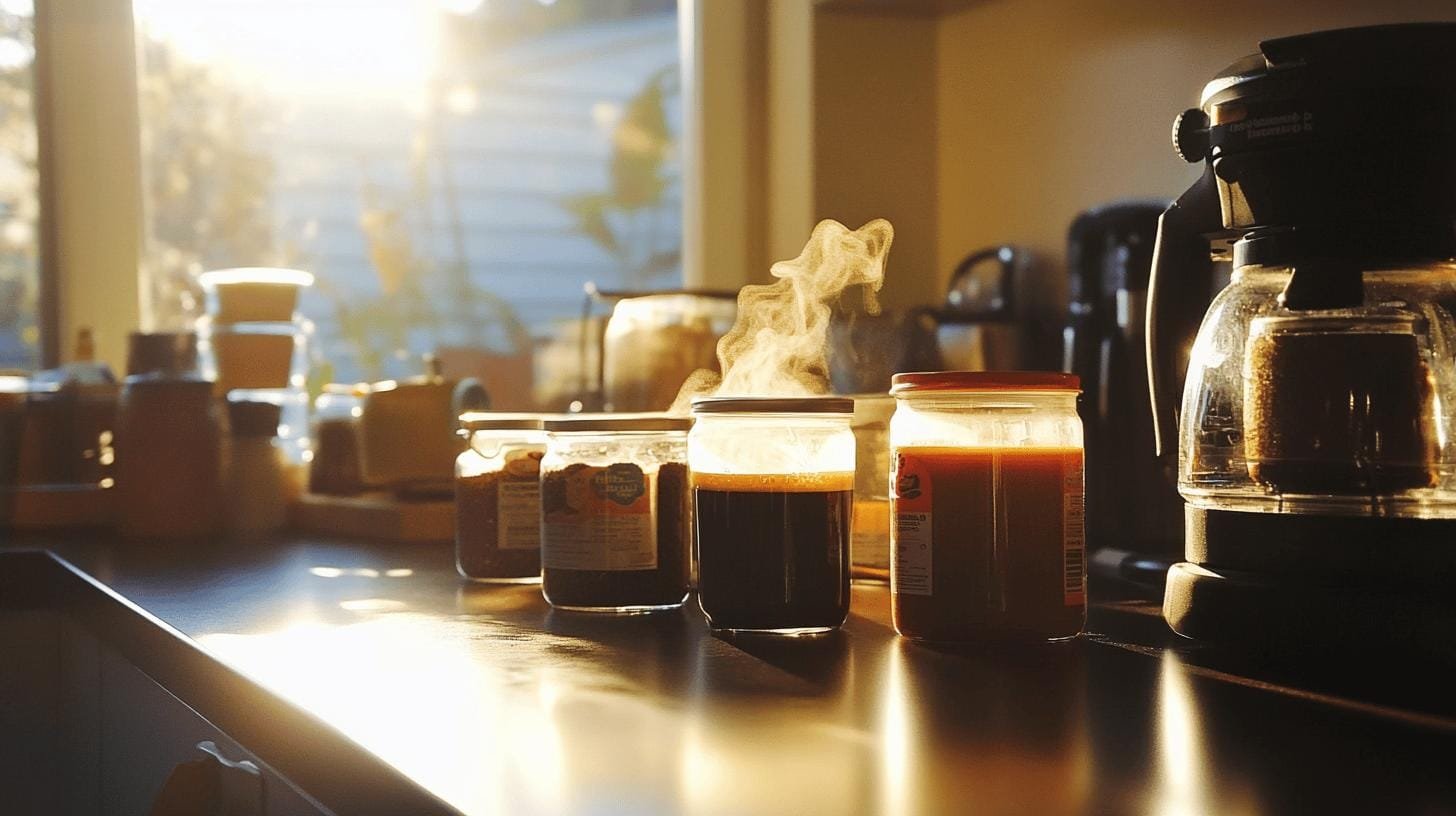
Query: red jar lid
{"x": 984, "y": 381}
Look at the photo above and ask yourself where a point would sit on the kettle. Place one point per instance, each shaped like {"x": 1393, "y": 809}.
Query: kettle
{"x": 407, "y": 431}
{"x": 979, "y": 329}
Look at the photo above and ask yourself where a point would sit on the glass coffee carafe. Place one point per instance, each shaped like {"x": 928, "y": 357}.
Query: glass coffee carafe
{"x": 1340, "y": 411}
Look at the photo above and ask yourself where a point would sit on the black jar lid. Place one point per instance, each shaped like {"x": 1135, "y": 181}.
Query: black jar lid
{"x": 773, "y": 405}
{"x": 617, "y": 422}
{"x": 251, "y": 418}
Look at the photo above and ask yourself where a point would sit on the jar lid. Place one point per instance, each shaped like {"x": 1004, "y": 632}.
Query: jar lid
{"x": 500, "y": 421}
{"x": 618, "y": 422}
{"x": 248, "y": 418}
{"x": 773, "y": 405}
{"x": 984, "y": 381}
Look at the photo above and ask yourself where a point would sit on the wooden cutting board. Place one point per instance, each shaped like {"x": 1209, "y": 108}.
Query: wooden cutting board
{"x": 377, "y": 516}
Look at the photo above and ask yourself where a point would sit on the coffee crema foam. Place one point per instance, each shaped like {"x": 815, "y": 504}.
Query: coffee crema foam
{"x": 774, "y": 482}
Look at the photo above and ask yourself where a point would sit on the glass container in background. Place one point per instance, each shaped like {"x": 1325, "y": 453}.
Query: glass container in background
{"x": 335, "y": 468}
{"x": 773, "y": 487}
{"x": 257, "y": 485}
{"x": 253, "y": 340}
{"x": 498, "y": 498}
{"x": 654, "y": 342}
{"x": 987, "y": 500}
{"x": 615, "y": 528}
{"x": 869, "y": 545}
{"x": 168, "y": 458}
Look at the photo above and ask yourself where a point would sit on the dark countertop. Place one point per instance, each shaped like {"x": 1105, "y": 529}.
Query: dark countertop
{"x": 496, "y": 704}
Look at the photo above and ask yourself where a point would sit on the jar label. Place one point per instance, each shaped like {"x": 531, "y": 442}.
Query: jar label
{"x": 911, "y": 495}
{"x": 598, "y": 518}
{"x": 518, "y": 514}
{"x": 1074, "y": 522}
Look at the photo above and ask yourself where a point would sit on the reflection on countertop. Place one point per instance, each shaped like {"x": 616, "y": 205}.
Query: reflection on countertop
{"x": 497, "y": 704}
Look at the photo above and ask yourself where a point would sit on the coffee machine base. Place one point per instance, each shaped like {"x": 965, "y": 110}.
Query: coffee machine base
{"x": 1259, "y": 614}
{"x": 1325, "y": 584}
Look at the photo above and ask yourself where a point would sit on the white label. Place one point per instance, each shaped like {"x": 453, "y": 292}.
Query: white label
{"x": 518, "y": 515}
{"x": 600, "y": 518}
{"x": 1074, "y": 522}
{"x": 913, "y": 553}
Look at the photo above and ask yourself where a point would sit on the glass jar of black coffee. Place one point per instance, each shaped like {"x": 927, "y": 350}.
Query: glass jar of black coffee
{"x": 498, "y": 498}
{"x": 773, "y": 488}
{"x": 615, "y": 528}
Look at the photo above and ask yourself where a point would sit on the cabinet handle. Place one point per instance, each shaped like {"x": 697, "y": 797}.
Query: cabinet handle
{"x": 213, "y": 785}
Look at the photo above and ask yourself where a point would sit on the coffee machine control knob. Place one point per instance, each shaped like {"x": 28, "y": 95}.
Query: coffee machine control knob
{"x": 1190, "y": 135}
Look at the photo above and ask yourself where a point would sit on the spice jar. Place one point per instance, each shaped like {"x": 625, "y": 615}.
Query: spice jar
{"x": 256, "y": 488}
{"x": 498, "y": 498}
{"x": 773, "y": 487}
{"x": 615, "y": 533}
{"x": 334, "y": 469}
{"x": 988, "y": 505}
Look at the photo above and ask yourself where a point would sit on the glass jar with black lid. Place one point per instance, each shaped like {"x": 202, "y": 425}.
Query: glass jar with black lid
{"x": 615, "y": 529}
{"x": 773, "y": 488}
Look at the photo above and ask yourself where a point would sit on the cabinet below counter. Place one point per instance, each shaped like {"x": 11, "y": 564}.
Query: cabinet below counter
{"x": 312, "y": 676}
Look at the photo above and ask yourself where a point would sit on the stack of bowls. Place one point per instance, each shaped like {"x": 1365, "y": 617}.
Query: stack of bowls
{"x": 253, "y": 343}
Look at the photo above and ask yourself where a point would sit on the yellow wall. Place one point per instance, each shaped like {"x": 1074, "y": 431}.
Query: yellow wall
{"x": 875, "y": 142}
{"x": 1047, "y": 107}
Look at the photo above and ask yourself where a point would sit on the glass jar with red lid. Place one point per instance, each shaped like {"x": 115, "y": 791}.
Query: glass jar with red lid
{"x": 987, "y": 500}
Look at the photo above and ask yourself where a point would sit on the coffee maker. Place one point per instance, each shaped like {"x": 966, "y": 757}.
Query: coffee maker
{"x": 1315, "y": 449}
{"x": 1134, "y": 514}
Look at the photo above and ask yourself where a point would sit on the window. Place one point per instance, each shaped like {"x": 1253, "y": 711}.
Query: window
{"x": 19, "y": 201}
{"x": 452, "y": 172}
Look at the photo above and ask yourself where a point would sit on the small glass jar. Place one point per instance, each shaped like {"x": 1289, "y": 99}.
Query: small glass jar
{"x": 773, "y": 487}
{"x": 334, "y": 468}
{"x": 988, "y": 503}
{"x": 498, "y": 498}
{"x": 615, "y": 529}
{"x": 869, "y": 545}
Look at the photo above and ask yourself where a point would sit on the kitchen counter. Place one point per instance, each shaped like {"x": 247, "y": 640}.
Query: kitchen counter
{"x": 418, "y": 686}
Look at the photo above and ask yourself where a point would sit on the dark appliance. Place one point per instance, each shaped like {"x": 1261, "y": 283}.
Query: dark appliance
{"x": 1134, "y": 514}
{"x": 1316, "y": 444}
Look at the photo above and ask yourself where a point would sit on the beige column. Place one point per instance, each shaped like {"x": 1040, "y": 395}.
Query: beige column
{"x": 90, "y": 162}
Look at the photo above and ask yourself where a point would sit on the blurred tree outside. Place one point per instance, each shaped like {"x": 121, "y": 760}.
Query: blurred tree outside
{"x": 626, "y": 220}
{"x": 534, "y": 158}
{"x": 209, "y": 181}
{"x": 19, "y": 194}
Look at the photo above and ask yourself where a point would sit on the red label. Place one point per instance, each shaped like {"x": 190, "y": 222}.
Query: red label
{"x": 910, "y": 485}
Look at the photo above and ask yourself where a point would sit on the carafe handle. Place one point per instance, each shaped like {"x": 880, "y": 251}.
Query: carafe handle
{"x": 1178, "y": 293}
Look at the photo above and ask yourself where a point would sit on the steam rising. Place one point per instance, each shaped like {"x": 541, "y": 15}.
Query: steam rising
{"x": 778, "y": 345}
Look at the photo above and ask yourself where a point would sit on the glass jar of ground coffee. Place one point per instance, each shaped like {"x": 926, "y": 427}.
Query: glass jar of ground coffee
{"x": 987, "y": 499}
{"x": 773, "y": 488}
{"x": 498, "y": 498}
{"x": 615, "y": 528}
